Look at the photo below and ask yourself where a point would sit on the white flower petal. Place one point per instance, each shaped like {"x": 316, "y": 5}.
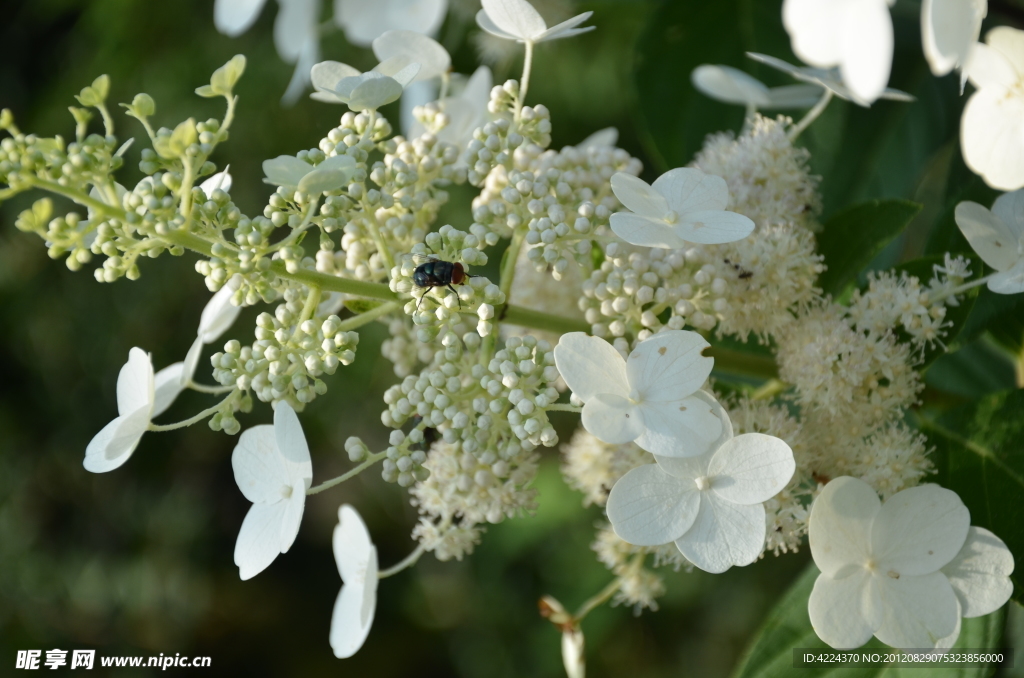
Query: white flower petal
{"x": 301, "y": 76}
{"x": 612, "y": 418}
{"x": 330, "y": 175}
{"x": 682, "y": 428}
{"x": 839, "y": 527}
{"x": 485, "y": 22}
{"x": 114, "y": 444}
{"x": 372, "y": 93}
{"x": 167, "y": 385}
{"x": 669, "y": 366}
{"x": 917, "y": 611}
{"x": 988, "y": 235}
{"x": 219, "y": 313}
{"x": 433, "y": 59}
{"x": 327, "y": 74}
{"x": 572, "y": 653}
{"x": 794, "y": 96}
{"x": 261, "y": 472}
{"x": 689, "y": 190}
{"x": 638, "y": 196}
{"x": 135, "y": 383}
{"x": 400, "y": 68}
{"x": 292, "y": 518}
{"x": 992, "y": 137}
{"x": 866, "y": 44}
{"x": 751, "y": 468}
{"x": 1010, "y": 208}
{"x": 988, "y": 67}
{"x": 195, "y": 352}
{"x": 1009, "y": 42}
{"x": 731, "y": 85}
{"x": 291, "y": 443}
{"x": 234, "y": 17}
{"x": 296, "y": 23}
{"x": 812, "y": 26}
{"x": 515, "y": 17}
{"x": 645, "y": 232}
{"x": 567, "y": 28}
{"x": 688, "y": 468}
{"x": 285, "y": 170}
{"x": 714, "y": 227}
{"x": 948, "y": 29}
{"x": 919, "y": 530}
{"x": 590, "y": 365}
{"x": 220, "y": 180}
{"x": 602, "y": 138}
{"x": 363, "y": 21}
{"x": 1010, "y": 281}
{"x": 980, "y": 573}
{"x": 698, "y": 403}
{"x": 723, "y": 535}
{"x": 648, "y": 507}
{"x": 259, "y": 539}
{"x": 836, "y": 608}
{"x": 356, "y": 558}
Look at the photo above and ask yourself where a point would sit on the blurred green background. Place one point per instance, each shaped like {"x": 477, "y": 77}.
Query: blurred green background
{"x": 139, "y": 561}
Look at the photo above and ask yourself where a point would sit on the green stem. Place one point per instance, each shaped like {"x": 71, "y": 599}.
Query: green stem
{"x": 326, "y": 485}
{"x": 369, "y": 316}
{"x": 108, "y": 122}
{"x": 301, "y": 228}
{"x": 769, "y": 389}
{"x": 407, "y": 562}
{"x": 208, "y": 412}
{"x": 606, "y": 593}
{"x": 811, "y": 116}
{"x": 214, "y": 390}
{"x": 524, "y": 83}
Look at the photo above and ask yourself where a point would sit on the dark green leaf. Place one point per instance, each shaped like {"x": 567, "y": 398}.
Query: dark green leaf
{"x": 788, "y": 626}
{"x": 980, "y": 456}
{"x": 1000, "y": 314}
{"x": 852, "y": 238}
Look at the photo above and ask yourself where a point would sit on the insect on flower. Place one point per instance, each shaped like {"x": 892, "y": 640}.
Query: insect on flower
{"x": 437, "y": 273}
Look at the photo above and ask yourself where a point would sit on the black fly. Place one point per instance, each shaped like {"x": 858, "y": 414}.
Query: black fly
{"x": 437, "y": 273}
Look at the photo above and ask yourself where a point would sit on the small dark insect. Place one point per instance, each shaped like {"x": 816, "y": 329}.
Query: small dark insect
{"x": 437, "y": 273}
{"x": 430, "y": 435}
{"x": 742, "y": 273}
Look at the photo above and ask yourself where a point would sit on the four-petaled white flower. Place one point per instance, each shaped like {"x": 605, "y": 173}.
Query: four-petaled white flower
{"x": 136, "y": 407}
{"x": 829, "y": 78}
{"x": 273, "y": 470}
{"x": 711, "y": 506}
{"x": 518, "y": 20}
{"x": 356, "y": 557}
{"x": 338, "y": 83}
{"x": 949, "y": 29}
{"x": 733, "y": 86}
{"x": 295, "y": 173}
{"x": 683, "y": 206}
{"x": 363, "y": 20}
{"x": 903, "y": 571}
{"x": 652, "y": 398}
{"x": 998, "y": 238}
{"x": 992, "y": 126}
{"x": 855, "y": 35}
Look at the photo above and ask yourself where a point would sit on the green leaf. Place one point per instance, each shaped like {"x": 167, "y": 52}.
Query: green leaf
{"x": 1002, "y": 315}
{"x": 788, "y": 627}
{"x": 980, "y": 456}
{"x": 962, "y": 185}
{"x": 852, "y": 238}
{"x": 207, "y": 91}
{"x": 223, "y": 80}
{"x": 174, "y": 146}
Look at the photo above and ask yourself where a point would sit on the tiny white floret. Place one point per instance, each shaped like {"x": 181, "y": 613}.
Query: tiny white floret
{"x": 136, "y": 401}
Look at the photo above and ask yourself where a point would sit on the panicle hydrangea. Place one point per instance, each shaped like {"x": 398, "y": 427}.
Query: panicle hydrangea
{"x": 592, "y": 466}
{"x": 503, "y": 139}
{"x": 768, "y": 177}
{"x": 403, "y": 348}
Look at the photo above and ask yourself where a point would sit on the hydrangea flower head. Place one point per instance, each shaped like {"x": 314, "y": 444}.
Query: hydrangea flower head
{"x": 518, "y": 20}
{"x": 273, "y": 470}
{"x": 356, "y": 557}
{"x": 653, "y": 397}
{"x": 711, "y": 506}
{"x": 683, "y": 206}
{"x": 992, "y": 126}
{"x": 998, "y": 238}
{"x": 903, "y": 571}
